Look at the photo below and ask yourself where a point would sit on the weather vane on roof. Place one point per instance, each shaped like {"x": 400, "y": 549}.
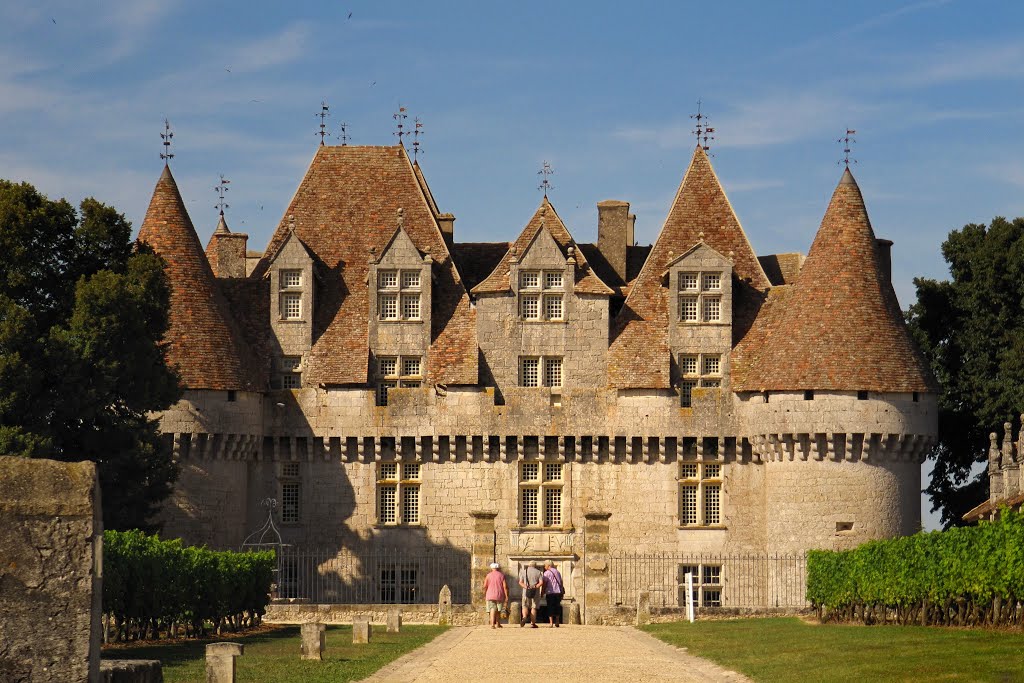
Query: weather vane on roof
{"x": 417, "y": 131}
{"x": 344, "y": 137}
{"x": 702, "y": 130}
{"x": 323, "y": 114}
{"x": 222, "y": 189}
{"x": 400, "y": 116}
{"x": 166, "y": 137}
{"x": 846, "y": 141}
{"x": 545, "y": 184}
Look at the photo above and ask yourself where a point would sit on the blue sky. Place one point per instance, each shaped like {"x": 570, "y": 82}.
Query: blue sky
{"x": 601, "y": 90}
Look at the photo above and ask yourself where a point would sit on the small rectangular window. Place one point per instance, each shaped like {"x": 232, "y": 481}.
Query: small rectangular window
{"x": 531, "y": 471}
{"x": 291, "y": 306}
{"x": 529, "y": 372}
{"x": 528, "y": 506}
{"x": 712, "y": 365}
{"x": 529, "y": 280}
{"x": 686, "y": 388}
{"x": 290, "y": 502}
{"x": 410, "y": 366}
{"x": 688, "y": 309}
{"x": 552, "y": 280}
{"x": 862, "y": 395}
{"x": 530, "y": 306}
{"x": 291, "y": 381}
{"x": 232, "y": 395}
{"x": 552, "y": 471}
{"x": 291, "y": 279}
{"x": 712, "y": 282}
{"x": 410, "y": 470}
{"x": 552, "y": 507}
{"x": 916, "y": 397}
{"x": 553, "y": 306}
{"x": 552, "y": 372}
{"x": 387, "y": 306}
{"x": 387, "y": 366}
{"x": 410, "y": 504}
{"x": 290, "y": 469}
{"x": 410, "y": 279}
{"x": 387, "y": 497}
{"x": 687, "y": 282}
{"x": 410, "y": 306}
{"x": 688, "y": 470}
{"x": 387, "y": 279}
{"x": 809, "y": 395}
{"x": 711, "y": 383}
{"x": 389, "y": 471}
{"x": 712, "y": 309}
{"x": 688, "y": 504}
{"x": 382, "y": 391}
{"x": 688, "y": 365}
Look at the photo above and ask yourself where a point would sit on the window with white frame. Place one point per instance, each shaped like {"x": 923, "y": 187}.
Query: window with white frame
{"x": 707, "y": 584}
{"x": 289, "y": 374}
{"x": 536, "y": 371}
{"x": 397, "y": 371}
{"x": 541, "y": 493}
{"x": 291, "y": 279}
{"x": 291, "y": 306}
{"x": 542, "y": 295}
{"x": 700, "y": 297}
{"x": 289, "y": 482}
{"x": 399, "y": 295}
{"x": 700, "y": 493}
{"x": 398, "y": 492}
{"x": 698, "y": 370}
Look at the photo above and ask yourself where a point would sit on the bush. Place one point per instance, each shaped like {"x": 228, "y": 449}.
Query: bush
{"x": 152, "y": 586}
{"x": 963, "y": 576}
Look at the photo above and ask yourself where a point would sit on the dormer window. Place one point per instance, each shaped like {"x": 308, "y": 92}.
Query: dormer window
{"x": 291, "y": 306}
{"x": 700, "y": 297}
{"x": 399, "y": 295}
{"x": 542, "y": 295}
{"x": 291, "y": 279}
{"x": 397, "y": 372}
{"x": 290, "y": 375}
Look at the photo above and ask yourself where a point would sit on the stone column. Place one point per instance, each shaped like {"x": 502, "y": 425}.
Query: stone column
{"x": 483, "y": 554}
{"x": 444, "y": 606}
{"x": 361, "y": 630}
{"x": 643, "y": 608}
{"x": 395, "y": 620}
{"x": 314, "y": 640}
{"x": 220, "y": 661}
{"x": 595, "y": 564}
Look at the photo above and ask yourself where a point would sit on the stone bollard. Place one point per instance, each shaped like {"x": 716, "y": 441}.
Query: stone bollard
{"x": 575, "y": 617}
{"x": 361, "y": 630}
{"x": 444, "y": 606}
{"x": 515, "y": 614}
{"x": 220, "y": 662}
{"x": 643, "y": 608}
{"x": 314, "y": 640}
{"x": 395, "y": 620}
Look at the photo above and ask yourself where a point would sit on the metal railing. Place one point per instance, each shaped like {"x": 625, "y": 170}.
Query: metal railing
{"x": 382, "y": 576}
{"x": 756, "y": 581}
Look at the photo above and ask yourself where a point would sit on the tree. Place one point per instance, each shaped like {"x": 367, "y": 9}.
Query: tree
{"x": 82, "y": 314}
{"x": 971, "y": 329}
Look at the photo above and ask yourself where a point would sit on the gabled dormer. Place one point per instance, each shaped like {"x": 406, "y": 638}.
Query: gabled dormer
{"x": 400, "y": 280}
{"x": 542, "y": 279}
{"x": 699, "y": 302}
{"x": 292, "y": 301}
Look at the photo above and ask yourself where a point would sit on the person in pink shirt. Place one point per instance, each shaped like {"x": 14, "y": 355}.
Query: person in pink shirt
{"x": 496, "y": 594}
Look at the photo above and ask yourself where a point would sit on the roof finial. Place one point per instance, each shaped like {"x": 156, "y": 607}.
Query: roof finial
{"x": 401, "y": 218}
{"x": 344, "y": 134}
{"x": 846, "y": 141}
{"x": 702, "y": 130}
{"x": 166, "y": 136}
{"x": 417, "y": 131}
{"x": 221, "y": 189}
{"x": 545, "y": 184}
{"x": 400, "y": 116}
{"x": 323, "y": 114}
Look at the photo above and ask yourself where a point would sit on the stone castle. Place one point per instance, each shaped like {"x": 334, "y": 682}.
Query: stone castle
{"x": 391, "y": 386}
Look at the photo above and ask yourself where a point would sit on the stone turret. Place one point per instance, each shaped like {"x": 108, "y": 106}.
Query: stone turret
{"x": 226, "y": 251}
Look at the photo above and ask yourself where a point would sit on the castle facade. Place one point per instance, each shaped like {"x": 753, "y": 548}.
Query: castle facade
{"x": 391, "y": 386}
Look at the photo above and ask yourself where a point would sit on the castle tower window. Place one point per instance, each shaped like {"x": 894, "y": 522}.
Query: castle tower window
{"x": 398, "y": 497}
{"x": 290, "y": 374}
{"x": 700, "y": 494}
{"x": 707, "y": 584}
{"x": 291, "y": 306}
{"x": 541, "y": 488}
{"x": 552, "y": 372}
{"x": 528, "y": 372}
{"x": 532, "y": 295}
{"x": 389, "y": 377}
{"x": 396, "y": 302}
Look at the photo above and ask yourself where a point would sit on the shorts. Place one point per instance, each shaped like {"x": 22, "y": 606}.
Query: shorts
{"x": 530, "y": 603}
{"x": 493, "y": 605}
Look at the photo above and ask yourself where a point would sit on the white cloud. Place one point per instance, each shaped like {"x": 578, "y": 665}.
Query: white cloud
{"x": 281, "y": 48}
{"x": 948, "y": 64}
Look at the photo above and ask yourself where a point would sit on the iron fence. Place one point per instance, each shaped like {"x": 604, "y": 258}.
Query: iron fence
{"x": 761, "y": 581}
{"x": 382, "y": 576}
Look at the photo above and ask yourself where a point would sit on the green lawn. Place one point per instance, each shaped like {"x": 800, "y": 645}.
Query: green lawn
{"x": 273, "y": 657}
{"x": 788, "y": 649}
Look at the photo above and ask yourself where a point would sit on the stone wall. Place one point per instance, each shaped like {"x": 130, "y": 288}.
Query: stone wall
{"x": 462, "y": 615}
{"x": 51, "y": 535}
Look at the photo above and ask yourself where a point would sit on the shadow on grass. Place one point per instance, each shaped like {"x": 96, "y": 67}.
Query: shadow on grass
{"x": 183, "y": 651}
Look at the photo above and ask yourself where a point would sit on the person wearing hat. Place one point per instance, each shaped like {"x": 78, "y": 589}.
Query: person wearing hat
{"x": 496, "y": 594}
{"x": 530, "y": 579}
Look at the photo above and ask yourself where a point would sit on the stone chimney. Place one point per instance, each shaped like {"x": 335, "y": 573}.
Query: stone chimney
{"x": 446, "y": 222}
{"x": 226, "y": 251}
{"x": 615, "y": 233}
{"x": 884, "y": 257}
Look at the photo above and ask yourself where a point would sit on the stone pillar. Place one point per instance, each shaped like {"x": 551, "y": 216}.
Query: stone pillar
{"x": 643, "y": 608}
{"x": 515, "y": 613}
{"x": 395, "y": 620}
{"x": 595, "y": 558}
{"x": 574, "y": 614}
{"x": 361, "y": 630}
{"x": 483, "y": 554}
{"x": 444, "y": 606}
{"x": 314, "y": 640}
{"x": 220, "y": 661}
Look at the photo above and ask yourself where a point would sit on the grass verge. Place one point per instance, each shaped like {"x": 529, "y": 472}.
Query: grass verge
{"x": 273, "y": 656}
{"x": 788, "y": 649}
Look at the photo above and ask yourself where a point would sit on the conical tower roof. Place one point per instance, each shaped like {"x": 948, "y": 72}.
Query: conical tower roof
{"x": 841, "y": 327}
{"x": 639, "y": 353}
{"x": 204, "y": 345}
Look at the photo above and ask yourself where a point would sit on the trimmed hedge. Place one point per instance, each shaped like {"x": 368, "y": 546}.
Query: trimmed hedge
{"x": 964, "y": 576}
{"x": 151, "y": 586}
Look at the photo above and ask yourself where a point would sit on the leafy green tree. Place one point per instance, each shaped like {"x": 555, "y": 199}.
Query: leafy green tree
{"x": 82, "y": 313}
{"x": 971, "y": 329}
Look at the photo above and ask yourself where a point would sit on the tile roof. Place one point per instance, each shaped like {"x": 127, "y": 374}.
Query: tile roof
{"x": 476, "y": 260}
{"x": 782, "y": 269}
{"x": 639, "y": 355}
{"x": 587, "y": 281}
{"x": 346, "y": 204}
{"x": 842, "y": 327}
{"x": 204, "y": 341}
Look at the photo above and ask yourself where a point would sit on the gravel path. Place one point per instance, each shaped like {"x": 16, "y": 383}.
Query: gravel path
{"x": 570, "y": 653}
